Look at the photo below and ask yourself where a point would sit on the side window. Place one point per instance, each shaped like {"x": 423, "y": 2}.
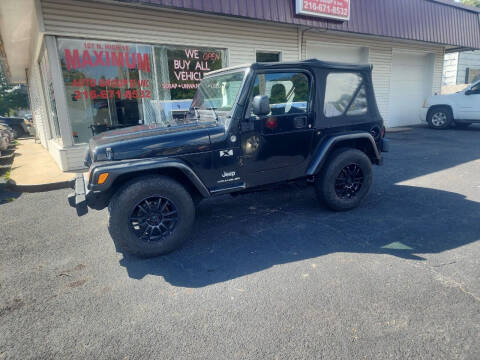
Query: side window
{"x": 345, "y": 94}
{"x": 288, "y": 92}
{"x": 268, "y": 56}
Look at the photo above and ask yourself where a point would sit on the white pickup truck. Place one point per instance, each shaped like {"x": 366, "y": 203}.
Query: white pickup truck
{"x": 460, "y": 109}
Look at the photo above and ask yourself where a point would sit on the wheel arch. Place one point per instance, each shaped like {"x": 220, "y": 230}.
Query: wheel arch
{"x": 173, "y": 172}
{"x": 436, "y": 106}
{"x": 361, "y": 141}
{"x": 121, "y": 175}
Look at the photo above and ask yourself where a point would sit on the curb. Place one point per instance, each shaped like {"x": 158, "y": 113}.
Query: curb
{"x": 11, "y": 185}
{"x": 398, "y": 130}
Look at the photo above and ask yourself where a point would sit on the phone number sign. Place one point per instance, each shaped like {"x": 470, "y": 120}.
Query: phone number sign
{"x": 332, "y": 9}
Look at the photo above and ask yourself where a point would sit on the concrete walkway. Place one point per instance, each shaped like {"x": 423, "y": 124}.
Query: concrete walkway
{"x": 33, "y": 169}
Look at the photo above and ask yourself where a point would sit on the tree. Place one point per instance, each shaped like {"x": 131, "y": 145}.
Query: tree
{"x": 472, "y": 2}
{"x": 12, "y": 97}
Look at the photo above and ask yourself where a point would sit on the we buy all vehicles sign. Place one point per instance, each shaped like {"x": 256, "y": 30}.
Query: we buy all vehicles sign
{"x": 332, "y": 9}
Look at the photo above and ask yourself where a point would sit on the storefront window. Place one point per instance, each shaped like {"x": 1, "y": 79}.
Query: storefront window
{"x": 179, "y": 71}
{"x": 111, "y": 85}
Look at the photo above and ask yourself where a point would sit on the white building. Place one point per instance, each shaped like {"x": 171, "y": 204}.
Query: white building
{"x": 461, "y": 68}
{"x": 97, "y": 65}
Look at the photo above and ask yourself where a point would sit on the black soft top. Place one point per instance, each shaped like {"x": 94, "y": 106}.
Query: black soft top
{"x": 313, "y": 63}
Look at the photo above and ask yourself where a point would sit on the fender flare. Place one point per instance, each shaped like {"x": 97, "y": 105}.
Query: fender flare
{"x": 118, "y": 168}
{"x": 324, "y": 148}
{"x": 446, "y": 105}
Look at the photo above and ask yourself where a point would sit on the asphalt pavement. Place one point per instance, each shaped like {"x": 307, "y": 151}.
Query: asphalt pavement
{"x": 270, "y": 275}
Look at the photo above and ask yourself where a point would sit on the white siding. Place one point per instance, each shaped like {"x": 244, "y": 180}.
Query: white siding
{"x": 39, "y": 113}
{"x": 35, "y": 89}
{"x": 438, "y": 70}
{"x": 380, "y": 56}
{"x": 242, "y": 38}
{"x": 74, "y": 156}
{"x": 450, "y": 69}
{"x": 162, "y": 26}
{"x": 467, "y": 59}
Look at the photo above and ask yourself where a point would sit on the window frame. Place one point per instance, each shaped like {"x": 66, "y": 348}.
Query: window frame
{"x": 311, "y": 96}
{"x": 260, "y": 51}
{"x": 50, "y": 104}
{"x": 63, "y": 110}
{"x": 363, "y": 83}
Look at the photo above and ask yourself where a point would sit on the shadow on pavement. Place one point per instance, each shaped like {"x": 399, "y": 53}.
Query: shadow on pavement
{"x": 7, "y": 195}
{"x": 6, "y": 160}
{"x": 239, "y": 236}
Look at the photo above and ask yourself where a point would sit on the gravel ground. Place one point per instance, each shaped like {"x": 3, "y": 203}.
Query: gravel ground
{"x": 272, "y": 275}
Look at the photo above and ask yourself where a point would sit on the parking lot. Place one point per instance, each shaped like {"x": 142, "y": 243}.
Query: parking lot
{"x": 271, "y": 275}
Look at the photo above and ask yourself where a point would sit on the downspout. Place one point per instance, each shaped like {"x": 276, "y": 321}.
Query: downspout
{"x": 300, "y": 41}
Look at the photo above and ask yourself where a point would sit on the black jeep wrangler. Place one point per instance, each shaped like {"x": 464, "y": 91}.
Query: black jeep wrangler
{"x": 248, "y": 127}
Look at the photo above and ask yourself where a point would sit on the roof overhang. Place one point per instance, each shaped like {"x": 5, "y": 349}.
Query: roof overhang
{"x": 442, "y": 22}
{"x": 16, "y": 24}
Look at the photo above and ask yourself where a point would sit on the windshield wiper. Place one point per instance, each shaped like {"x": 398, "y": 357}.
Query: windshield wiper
{"x": 214, "y": 112}
{"x": 197, "y": 115}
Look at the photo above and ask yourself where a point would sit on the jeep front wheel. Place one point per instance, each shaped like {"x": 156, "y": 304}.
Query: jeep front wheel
{"x": 345, "y": 180}
{"x": 151, "y": 216}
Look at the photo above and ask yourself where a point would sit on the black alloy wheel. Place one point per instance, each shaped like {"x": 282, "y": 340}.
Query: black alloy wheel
{"x": 153, "y": 218}
{"x": 349, "y": 181}
{"x": 345, "y": 179}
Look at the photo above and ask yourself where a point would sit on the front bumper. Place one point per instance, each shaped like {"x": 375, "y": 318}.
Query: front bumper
{"x": 78, "y": 199}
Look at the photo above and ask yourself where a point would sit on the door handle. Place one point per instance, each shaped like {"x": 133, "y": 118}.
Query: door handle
{"x": 300, "y": 122}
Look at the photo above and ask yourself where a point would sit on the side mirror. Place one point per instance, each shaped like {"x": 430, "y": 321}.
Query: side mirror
{"x": 469, "y": 92}
{"x": 261, "y": 105}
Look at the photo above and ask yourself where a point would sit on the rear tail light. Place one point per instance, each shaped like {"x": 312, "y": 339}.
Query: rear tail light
{"x": 271, "y": 123}
{"x": 383, "y": 131}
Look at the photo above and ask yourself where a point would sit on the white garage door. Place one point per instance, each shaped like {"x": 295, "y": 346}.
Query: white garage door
{"x": 339, "y": 53}
{"x": 411, "y": 82}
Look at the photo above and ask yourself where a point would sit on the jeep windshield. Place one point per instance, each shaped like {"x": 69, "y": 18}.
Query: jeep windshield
{"x": 216, "y": 97}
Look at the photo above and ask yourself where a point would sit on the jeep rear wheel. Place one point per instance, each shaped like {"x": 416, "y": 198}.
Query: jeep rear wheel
{"x": 151, "y": 216}
{"x": 345, "y": 180}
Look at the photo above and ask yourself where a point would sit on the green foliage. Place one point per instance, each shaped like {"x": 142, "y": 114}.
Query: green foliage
{"x": 472, "y": 2}
{"x": 11, "y": 97}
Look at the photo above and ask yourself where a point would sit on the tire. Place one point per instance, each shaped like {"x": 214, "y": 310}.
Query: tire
{"x": 167, "y": 203}
{"x": 19, "y": 130}
{"x": 440, "y": 118}
{"x": 462, "y": 125}
{"x": 328, "y": 186}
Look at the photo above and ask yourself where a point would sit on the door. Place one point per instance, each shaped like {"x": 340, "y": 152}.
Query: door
{"x": 411, "y": 83}
{"x": 275, "y": 147}
{"x": 468, "y": 103}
